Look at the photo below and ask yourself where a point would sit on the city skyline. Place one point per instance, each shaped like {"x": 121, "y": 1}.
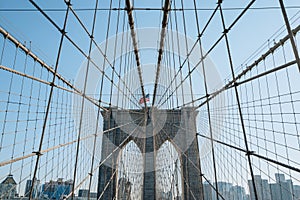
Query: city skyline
{"x": 281, "y": 189}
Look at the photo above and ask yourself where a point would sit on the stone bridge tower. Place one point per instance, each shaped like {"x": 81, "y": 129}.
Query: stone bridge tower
{"x": 149, "y": 130}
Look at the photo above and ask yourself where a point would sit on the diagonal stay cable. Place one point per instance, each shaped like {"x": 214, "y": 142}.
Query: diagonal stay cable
{"x": 189, "y": 53}
{"x": 207, "y": 105}
{"x": 290, "y": 33}
{"x": 237, "y": 98}
{"x": 230, "y": 84}
{"x": 83, "y": 100}
{"x": 184, "y": 179}
{"x": 43, "y": 64}
{"x": 250, "y": 67}
{"x": 107, "y": 157}
{"x": 98, "y": 117}
{"x": 252, "y": 153}
{"x": 184, "y": 153}
{"x": 164, "y": 24}
{"x": 38, "y": 152}
{"x": 65, "y": 144}
{"x": 82, "y": 52}
{"x": 212, "y": 47}
{"x": 74, "y": 91}
{"x": 101, "y": 51}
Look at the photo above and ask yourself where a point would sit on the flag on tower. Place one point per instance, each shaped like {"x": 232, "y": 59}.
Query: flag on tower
{"x": 147, "y": 99}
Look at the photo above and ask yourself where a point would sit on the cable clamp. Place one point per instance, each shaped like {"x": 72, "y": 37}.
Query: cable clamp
{"x": 68, "y": 3}
{"x": 38, "y": 153}
{"x": 249, "y": 153}
{"x": 63, "y": 32}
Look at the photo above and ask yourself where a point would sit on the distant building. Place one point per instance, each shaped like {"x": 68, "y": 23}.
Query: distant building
{"x": 83, "y": 193}
{"x": 279, "y": 178}
{"x": 296, "y": 191}
{"x": 282, "y": 189}
{"x": 35, "y": 191}
{"x": 237, "y": 192}
{"x": 207, "y": 191}
{"x": 275, "y": 191}
{"x": 224, "y": 190}
{"x": 258, "y": 186}
{"x": 266, "y": 190}
{"x": 262, "y": 188}
{"x": 56, "y": 189}
{"x": 8, "y": 188}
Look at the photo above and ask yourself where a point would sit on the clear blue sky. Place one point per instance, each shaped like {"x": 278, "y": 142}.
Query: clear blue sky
{"x": 254, "y": 29}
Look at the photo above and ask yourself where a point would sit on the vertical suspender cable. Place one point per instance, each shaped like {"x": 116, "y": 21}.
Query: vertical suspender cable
{"x": 63, "y": 32}
{"x": 208, "y": 106}
{"x": 248, "y": 154}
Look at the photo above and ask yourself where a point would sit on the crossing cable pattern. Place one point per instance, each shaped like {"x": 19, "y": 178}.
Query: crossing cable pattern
{"x": 246, "y": 126}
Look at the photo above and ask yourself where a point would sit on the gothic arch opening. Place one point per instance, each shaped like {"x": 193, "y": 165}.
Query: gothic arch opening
{"x": 130, "y": 173}
{"x": 168, "y": 176}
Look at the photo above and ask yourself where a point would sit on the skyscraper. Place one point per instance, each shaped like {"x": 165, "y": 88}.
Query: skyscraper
{"x": 84, "y": 193}
{"x": 282, "y": 189}
{"x": 258, "y": 185}
{"x": 266, "y": 190}
{"x": 296, "y": 191}
{"x": 279, "y": 178}
{"x": 237, "y": 192}
{"x": 35, "y": 191}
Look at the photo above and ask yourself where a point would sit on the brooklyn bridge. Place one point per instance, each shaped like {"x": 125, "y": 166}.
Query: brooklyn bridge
{"x": 153, "y": 100}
